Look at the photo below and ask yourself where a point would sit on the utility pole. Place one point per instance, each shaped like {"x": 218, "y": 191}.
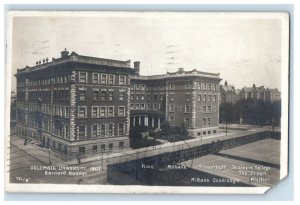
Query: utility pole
{"x": 49, "y": 150}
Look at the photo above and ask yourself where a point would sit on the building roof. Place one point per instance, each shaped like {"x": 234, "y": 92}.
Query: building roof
{"x": 74, "y": 57}
{"x": 228, "y": 88}
{"x": 179, "y": 74}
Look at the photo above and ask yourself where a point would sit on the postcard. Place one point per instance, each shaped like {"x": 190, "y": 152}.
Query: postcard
{"x": 146, "y": 102}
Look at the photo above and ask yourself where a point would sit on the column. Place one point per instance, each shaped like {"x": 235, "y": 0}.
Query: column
{"x": 140, "y": 121}
{"x": 152, "y": 120}
{"x": 133, "y": 124}
{"x": 145, "y": 120}
{"x": 158, "y": 123}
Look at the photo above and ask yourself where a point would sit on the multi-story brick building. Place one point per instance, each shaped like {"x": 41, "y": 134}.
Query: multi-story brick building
{"x": 260, "y": 93}
{"x": 75, "y": 105}
{"x": 78, "y": 105}
{"x": 189, "y": 97}
{"x": 228, "y": 93}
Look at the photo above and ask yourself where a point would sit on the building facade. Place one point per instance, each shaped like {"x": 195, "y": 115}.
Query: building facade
{"x": 228, "y": 93}
{"x": 75, "y": 105}
{"x": 260, "y": 93}
{"x": 183, "y": 97}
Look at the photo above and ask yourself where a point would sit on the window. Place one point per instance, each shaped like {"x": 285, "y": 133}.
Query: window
{"x": 95, "y": 148}
{"x": 142, "y": 106}
{"x": 110, "y": 111}
{"x": 132, "y": 106}
{"x": 215, "y": 98}
{"x": 95, "y": 78}
{"x": 204, "y": 122}
{"x": 214, "y": 87}
{"x": 131, "y": 96}
{"x": 204, "y": 109}
{"x": 172, "y": 97}
{"x": 102, "y": 111}
{"x": 209, "y": 86}
{"x": 161, "y": 97}
{"x": 187, "y": 97}
{"x": 154, "y": 106}
{"x": 102, "y": 147}
{"x": 137, "y": 96}
{"x": 103, "y": 95}
{"x": 121, "y": 145}
{"x": 110, "y": 129}
{"x": 199, "y": 98}
{"x": 142, "y": 87}
{"x": 82, "y": 95}
{"x": 186, "y": 121}
{"x": 208, "y": 122}
{"x": 171, "y": 86}
{"x": 121, "y": 96}
{"x": 81, "y": 132}
{"x": 131, "y": 86}
{"x": 82, "y": 112}
{"x": 121, "y": 112}
{"x": 209, "y": 98}
{"x": 209, "y": 109}
{"x": 187, "y": 109}
{"x": 95, "y": 95}
{"x": 137, "y": 86}
{"x": 110, "y": 146}
{"x": 82, "y": 77}
{"x": 81, "y": 150}
{"x": 94, "y": 131}
{"x": 110, "y": 95}
{"x": 171, "y": 108}
{"x": 122, "y": 80}
{"x": 95, "y": 111}
{"x": 102, "y": 130}
{"x": 142, "y": 97}
{"x": 111, "y": 79}
{"x": 188, "y": 85}
{"x": 103, "y": 79}
{"x": 155, "y": 97}
{"x": 121, "y": 129}
{"x": 204, "y": 98}
{"x": 137, "y": 106}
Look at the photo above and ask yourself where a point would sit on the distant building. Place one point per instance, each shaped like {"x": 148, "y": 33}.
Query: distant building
{"x": 260, "y": 93}
{"x": 183, "y": 97}
{"x": 273, "y": 95}
{"x": 228, "y": 93}
{"x": 75, "y": 105}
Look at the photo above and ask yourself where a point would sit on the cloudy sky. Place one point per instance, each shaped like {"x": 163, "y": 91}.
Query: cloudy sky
{"x": 244, "y": 50}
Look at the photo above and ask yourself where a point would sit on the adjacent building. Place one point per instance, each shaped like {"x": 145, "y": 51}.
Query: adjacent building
{"x": 182, "y": 97}
{"x": 228, "y": 93}
{"x": 75, "y": 105}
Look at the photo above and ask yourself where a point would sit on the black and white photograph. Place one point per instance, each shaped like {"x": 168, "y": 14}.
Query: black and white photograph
{"x": 146, "y": 102}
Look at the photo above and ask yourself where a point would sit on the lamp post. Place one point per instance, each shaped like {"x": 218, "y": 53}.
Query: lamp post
{"x": 49, "y": 150}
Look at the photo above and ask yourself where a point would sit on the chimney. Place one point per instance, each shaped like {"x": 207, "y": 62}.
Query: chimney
{"x": 44, "y": 61}
{"x": 64, "y": 53}
{"x": 180, "y": 70}
{"x": 36, "y": 62}
{"x": 47, "y": 60}
{"x": 136, "y": 66}
{"x": 40, "y": 62}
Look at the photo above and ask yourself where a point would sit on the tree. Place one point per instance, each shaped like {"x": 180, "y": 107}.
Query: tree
{"x": 226, "y": 113}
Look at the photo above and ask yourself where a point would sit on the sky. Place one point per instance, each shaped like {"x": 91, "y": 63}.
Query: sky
{"x": 244, "y": 50}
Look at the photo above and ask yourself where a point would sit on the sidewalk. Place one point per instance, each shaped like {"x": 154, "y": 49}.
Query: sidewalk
{"x": 37, "y": 152}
